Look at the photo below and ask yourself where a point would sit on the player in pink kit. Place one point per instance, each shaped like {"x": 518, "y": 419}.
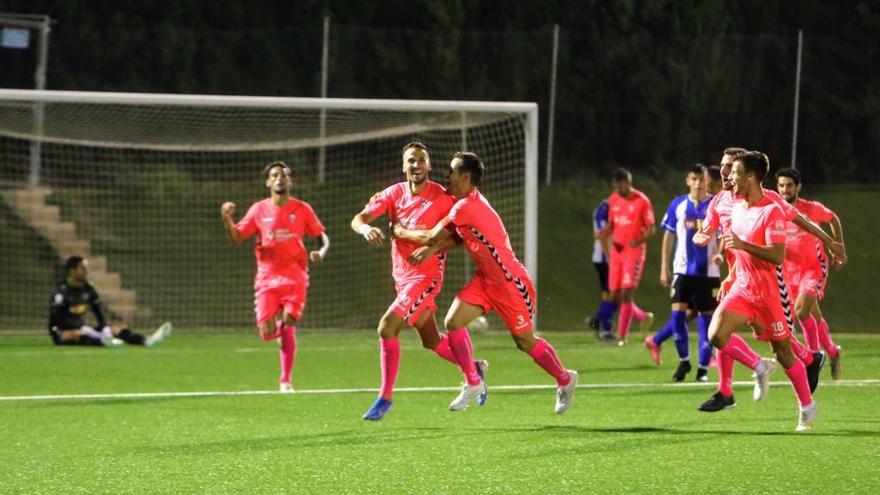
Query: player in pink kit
{"x": 806, "y": 265}
{"x": 718, "y": 217}
{"x": 416, "y": 204}
{"x": 279, "y": 222}
{"x": 630, "y": 224}
{"x": 501, "y": 282}
{"x": 757, "y": 238}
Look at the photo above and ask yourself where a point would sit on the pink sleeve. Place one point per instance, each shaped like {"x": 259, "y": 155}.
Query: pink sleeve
{"x": 381, "y": 203}
{"x": 460, "y": 215}
{"x": 774, "y": 227}
{"x": 712, "y": 219}
{"x": 313, "y": 226}
{"x": 247, "y": 226}
{"x": 648, "y": 213}
{"x": 821, "y": 213}
{"x": 788, "y": 210}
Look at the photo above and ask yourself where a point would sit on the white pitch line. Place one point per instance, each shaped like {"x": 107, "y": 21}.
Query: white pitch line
{"x": 148, "y": 395}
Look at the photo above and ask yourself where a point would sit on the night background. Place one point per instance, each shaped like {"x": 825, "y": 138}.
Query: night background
{"x": 651, "y": 85}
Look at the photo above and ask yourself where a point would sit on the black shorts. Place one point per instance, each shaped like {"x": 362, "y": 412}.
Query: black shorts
{"x": 698, "y": 292}
{"x": 602, "y": 271}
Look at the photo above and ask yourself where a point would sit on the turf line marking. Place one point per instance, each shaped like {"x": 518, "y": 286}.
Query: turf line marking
{"x": 587, "y": 386}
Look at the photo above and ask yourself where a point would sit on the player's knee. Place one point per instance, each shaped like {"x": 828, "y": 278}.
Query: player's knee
{"x": 430, "y": 343}
{"x": 524, "y": 342}
{"x": 449, "y": 324}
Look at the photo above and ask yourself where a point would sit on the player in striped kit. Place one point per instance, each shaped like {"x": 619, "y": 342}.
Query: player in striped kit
{"x": 501, "y": 283}
{"x": 806, "y": 265}
{"x": 601, "y": 321}
{"x": 757, "y": 239}
{"x": 718, "y": 218}
{"x": 417, "y": 203}
{"x": 694, "y": 279}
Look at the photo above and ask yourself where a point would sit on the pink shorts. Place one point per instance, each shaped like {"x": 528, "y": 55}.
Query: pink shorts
{"x": 807, "y": 281}
{"x": 414, "y": 296}
{"x": 514, "y": 301}
{"x": 625, "y": 269}
{"x": 290, "y": 298}
{"x": 767, "y": 314}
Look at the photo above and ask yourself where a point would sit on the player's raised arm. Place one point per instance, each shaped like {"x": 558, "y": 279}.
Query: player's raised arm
{"x": 318, "y": 256}
{"x": 227, "y": 210}
{"x": 361, "y": 224}
{"x": 837, "y": 233}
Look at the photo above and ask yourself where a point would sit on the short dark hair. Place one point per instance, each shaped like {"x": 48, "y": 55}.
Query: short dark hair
{"x": 734, "y": 151}
{"x": 268, "y": 168}
{"x": 72, "y": 262}
{"x": 620, "y": 174}
{"x": 714, "y": 172}
{"x": 756, "y": 163}
{"x": 471, "y": 164}
{"x": 697, "y": 169}
{"x": 414, "y": 144}
{"x": 791, "y": 173}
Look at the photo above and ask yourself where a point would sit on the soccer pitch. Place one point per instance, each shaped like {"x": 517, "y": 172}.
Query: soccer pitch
{"x": 201, "y": 414}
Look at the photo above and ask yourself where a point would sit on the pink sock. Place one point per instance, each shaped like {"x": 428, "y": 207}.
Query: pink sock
{"x": 811, "y": 333}
{"x": 725, "y": 373}
{"x": 266, "y": 337}
{"x": 460, "y": 343}
{"x": 623, "y": 320}
{"x": 389, "y": 362}
{"x": 825, "y": 338}
{"x": 737, "y": 349}
{"x": 802, "y": 353}
{"x": 797, "y": 374}
{"x": 544, "y": 354}
{"x": 287, "y": 352}
{"x": 443, "y": 350}
{"x": 638, "y": 313}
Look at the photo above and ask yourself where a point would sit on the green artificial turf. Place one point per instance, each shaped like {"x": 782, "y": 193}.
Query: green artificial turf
{"x": 629, "y": 431}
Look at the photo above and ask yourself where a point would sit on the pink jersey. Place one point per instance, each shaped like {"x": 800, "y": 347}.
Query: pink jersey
{"x": 281, "y": 255}
{"x": 482, "y": 231}
{"x": 788, "y": 210}
{"x": 628, "y": 217}
{"x": 762, "y": 224}
{"x": 718, "y": 214}
{"x": 801, "y": 247}
{"x": 420, "y": 212}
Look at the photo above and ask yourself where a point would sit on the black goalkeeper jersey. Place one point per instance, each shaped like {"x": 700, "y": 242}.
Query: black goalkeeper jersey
{"x": 70, "y": 304}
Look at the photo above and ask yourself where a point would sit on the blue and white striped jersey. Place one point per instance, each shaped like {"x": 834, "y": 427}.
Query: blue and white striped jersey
{"x": 600, "y": 220}
{"x": 684, "y": 217}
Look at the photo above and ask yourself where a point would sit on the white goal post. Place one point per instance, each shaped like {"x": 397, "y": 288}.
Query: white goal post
{"x": 124, "y": 167}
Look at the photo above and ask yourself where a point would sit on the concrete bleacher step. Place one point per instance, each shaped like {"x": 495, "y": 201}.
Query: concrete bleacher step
{"x": 30, "y": 205}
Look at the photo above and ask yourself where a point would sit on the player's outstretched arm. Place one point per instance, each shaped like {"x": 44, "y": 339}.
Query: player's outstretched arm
{"x": 361, "y": 224}
{"x": 318, "y": 256}
{"x": 227, "y": 210}
{"x": 837, "y": 249}
{"x": 774, "y": 253}
{"x": 425, "y": 252}
{"x": 427, "y": 237}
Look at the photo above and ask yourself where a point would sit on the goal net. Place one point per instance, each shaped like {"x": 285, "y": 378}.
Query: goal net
{"x": 135, "y": 183}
